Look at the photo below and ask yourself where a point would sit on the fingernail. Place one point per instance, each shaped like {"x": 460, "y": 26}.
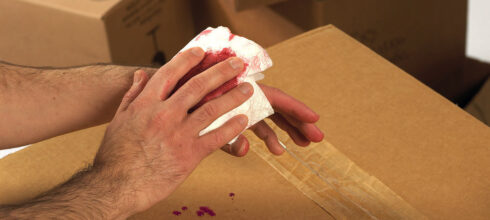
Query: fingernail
{"x": 241, "y": 149}
{"x": 197, "y": 51}
{"x": 235, "y": 63}
{"x": 245, "y": 89}
{"x": 243, "y": 119}
{"x": 235, "y": 149}
{"x": 137, "y": 77}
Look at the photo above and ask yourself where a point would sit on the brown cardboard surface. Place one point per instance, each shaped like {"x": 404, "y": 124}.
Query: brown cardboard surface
{"x": 260, "y": 24}
{"x": 424, "y": 148}
{"x": 68, "y": 33}
{"x": 424, "y": 38}
{"x": 42, "y": 166}
{"x": 248, "y": 4}
{"x": 404, "y": 136}
{"x": 36, "y": 35}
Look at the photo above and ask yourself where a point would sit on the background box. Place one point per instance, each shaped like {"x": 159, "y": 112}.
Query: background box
{"x": 68, "y": 33}
{"x": 425, "y": 38}
{"x": 248, "y": 4}
{"x": 260, "y": 24}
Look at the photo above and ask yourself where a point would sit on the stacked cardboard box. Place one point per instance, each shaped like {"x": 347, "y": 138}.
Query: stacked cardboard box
{"x": 68, "y": 33}
{"x": 260, "y": 24}
{"x": 250, "y": 4}
{"x": 424, "y": 38}
{"x": 480, "y": 105}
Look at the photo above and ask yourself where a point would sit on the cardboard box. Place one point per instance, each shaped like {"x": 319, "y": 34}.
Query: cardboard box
{"x": 473, "y": 76}
{"x": 249, "y": 4}
{"x": 480, "y": 105}
{"x": 425, "y": 38}
{"x": 394, "y": 149}
{"x": 260, "y": 24}
{"x": 68, "y": 33}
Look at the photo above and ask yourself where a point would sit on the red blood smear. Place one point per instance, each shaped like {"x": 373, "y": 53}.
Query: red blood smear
{"x": 184, "y": 208}
{"x": 176, "y": 213}
{"x": 205, "y": 32}
{"x": 231, "y": 37}
{"x": 207, "y": 210}
{"x": 211, "y": 59}
{"x": 199, "y": 213}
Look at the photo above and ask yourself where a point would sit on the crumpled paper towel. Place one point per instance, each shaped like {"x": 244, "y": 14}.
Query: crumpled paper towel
{"x": 256, "y": 60}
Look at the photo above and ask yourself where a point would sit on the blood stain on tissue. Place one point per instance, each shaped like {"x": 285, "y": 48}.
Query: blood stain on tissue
{"x": 210, "y": 59}
{"x": 231, "y": 37}
{"x": 203, "y": 33}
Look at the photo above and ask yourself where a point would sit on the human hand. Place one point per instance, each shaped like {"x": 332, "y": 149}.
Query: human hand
{"x": 153, "y": 143}
{"x": 291, "y": 115}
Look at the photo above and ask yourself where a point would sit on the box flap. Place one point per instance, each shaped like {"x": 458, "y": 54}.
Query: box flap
{"x": 248, "y": 4}
{"x": 83, "y": 7}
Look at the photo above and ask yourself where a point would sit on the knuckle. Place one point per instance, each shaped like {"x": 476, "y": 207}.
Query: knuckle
{"x": 181, "y": 60}
{"x": 209, "y": 111}
{"x": 225, "y": 70}
{"x": 168, "y": 70}
{"x": 128, "y": 95}
{"x": 185, "y": 60}
{"x": 197, "y": 85}
{"x": 179, "y": 99}
{"x": 217, "y": 139}
{"x": 270, "y": 135}
{"x": 237, "y": 126}
{"x": 238, "y": 97}
{"x": 263, "y": 134}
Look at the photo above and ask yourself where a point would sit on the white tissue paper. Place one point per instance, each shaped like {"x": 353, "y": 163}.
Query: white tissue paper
{"x": 256, "y": 60}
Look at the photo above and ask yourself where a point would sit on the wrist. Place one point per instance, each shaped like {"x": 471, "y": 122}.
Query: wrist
{"x": 92, "y": 194}
{"x": 114, "y": 187}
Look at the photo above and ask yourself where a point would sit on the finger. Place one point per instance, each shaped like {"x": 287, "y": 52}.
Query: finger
{"x": 165, "y": 79}
{"x": 222, "y": 135}
{"x": 297, "y": 137}
{"x": 266, "y": 134}
{"x": 139, "y": 81}
{"x": 287, "y": 105}
{"x": 309, "y": 130}
{"x": 239, "y": 148}
{"x": 209, "y": 112}
{"x": 196, "y": 88}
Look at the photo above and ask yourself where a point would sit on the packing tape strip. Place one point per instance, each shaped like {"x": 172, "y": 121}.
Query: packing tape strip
{"x": 333, "y": 181}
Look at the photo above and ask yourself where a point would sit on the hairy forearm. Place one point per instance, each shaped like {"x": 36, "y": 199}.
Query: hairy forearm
{"x": 39, "y": 103}
{"x": 93, "y": 194}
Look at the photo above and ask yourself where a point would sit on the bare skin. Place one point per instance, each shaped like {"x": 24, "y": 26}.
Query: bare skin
{"x": 152, "y": 144}
{"x": 39, "y": 103}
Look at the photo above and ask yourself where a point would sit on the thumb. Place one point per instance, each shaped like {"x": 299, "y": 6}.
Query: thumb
{"x": 139, "y": 81}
